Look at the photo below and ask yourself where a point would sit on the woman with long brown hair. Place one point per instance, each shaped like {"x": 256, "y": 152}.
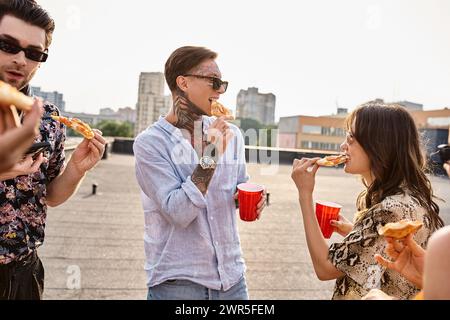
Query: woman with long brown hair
{"x": 383, "y": 147}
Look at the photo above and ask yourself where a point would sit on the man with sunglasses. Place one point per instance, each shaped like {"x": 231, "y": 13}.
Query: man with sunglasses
{"x": 33, "y": 184}
{"x": 188, "y": 165}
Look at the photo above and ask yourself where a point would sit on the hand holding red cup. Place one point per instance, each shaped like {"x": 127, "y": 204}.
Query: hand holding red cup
{"x": 249, "y": 196}
{"x": 325, "y": 212}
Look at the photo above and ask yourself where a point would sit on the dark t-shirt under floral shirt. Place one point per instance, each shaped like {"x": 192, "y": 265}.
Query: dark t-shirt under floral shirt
{"x": 23, "y": 208}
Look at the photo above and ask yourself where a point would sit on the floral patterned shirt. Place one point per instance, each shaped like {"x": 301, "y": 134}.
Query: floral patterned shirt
{"x": 23, "y": 208}
{"x": 354, "y": 256}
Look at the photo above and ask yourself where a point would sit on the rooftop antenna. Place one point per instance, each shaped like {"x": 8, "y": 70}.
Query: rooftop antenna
{"x": 337, "y": 104}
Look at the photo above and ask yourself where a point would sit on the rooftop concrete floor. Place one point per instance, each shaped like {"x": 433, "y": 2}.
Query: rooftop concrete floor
{"x": 94, "y": 244}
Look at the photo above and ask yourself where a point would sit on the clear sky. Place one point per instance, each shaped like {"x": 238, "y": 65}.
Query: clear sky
{"x": 313, "y": 55}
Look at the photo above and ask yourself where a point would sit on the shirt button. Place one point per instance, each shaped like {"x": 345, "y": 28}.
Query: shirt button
{"x": 212, "y": 218}
{"x": 216, "y": 243}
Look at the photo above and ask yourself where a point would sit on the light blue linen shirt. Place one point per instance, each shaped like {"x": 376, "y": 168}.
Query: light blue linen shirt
{"x": 187, "y": 235}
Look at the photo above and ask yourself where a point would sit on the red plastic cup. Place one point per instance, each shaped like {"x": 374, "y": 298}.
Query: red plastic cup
{"x": 325, "y": 212}
{"x": 249, "y": 196}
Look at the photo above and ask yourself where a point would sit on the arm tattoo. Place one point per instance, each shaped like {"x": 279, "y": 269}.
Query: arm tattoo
{"x": 202, "y": 177}
{"x": 187, "y": 113}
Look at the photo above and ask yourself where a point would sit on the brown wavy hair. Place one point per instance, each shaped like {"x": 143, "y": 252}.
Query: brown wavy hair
{"x": 31, "y": 12}
{"x": 389, "y": 136}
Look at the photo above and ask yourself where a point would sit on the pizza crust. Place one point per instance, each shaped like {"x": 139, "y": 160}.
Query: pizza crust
{"x": 401, "y": 229}
{"x": 10, "y": 96}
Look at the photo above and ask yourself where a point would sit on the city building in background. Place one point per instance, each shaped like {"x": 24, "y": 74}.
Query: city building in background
{"x": 91, "y": 119}
{"x": 105, "y": 115}
{"x": 151, "y": 100}
{"x": 54, "y": 97}
{"x": 434, "y": 125}
{"x": 258, "y": 106}
{"x": 107, "y": 111}
{"x": 432, "y": 119}
{"x": 126, "y": 114}
{"x": 324, "y": 133}
{"x": 411, "y": 106}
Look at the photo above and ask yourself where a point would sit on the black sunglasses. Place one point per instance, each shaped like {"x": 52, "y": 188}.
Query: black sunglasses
{"x": 31, "y": 54}
{"x": 216, "y": 82}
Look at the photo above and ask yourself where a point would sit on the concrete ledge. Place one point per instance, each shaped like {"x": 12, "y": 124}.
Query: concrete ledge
{"x": 261, "y": 154}
{"x": 123, "y": 146}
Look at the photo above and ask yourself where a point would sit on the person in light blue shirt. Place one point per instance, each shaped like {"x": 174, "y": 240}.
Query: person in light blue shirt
{"x": 188, "y": 165}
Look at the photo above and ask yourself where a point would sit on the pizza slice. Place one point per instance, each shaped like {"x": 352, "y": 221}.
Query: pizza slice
{"x": 218, "y": 110}
{"x": 332, "y": 161}
{"x": 400, "y": 230}
{"x": 10, "y": 96}
{"x": 76, "y": 124}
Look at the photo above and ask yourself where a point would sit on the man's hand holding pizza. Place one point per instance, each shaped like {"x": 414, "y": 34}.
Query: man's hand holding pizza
{"x": 16, "y": 137}
{"x": 88, "y": 153}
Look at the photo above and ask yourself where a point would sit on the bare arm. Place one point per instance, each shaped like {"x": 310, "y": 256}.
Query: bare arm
{"x": 437, "y": 266}
{"x": 202, "y": 177}
{"x": 318, "y": 248}
{"x": 84, "y": 158}
{"x": 64, "y": 186}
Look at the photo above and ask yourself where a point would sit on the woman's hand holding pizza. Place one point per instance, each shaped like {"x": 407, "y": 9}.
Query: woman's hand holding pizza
{"x": 304, "y": 175}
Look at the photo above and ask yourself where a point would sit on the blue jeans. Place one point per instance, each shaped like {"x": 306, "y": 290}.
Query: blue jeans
{"x": 187, "y": 290}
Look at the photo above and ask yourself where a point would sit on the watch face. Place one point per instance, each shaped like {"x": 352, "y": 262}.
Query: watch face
{"x": 207, "y": 162}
